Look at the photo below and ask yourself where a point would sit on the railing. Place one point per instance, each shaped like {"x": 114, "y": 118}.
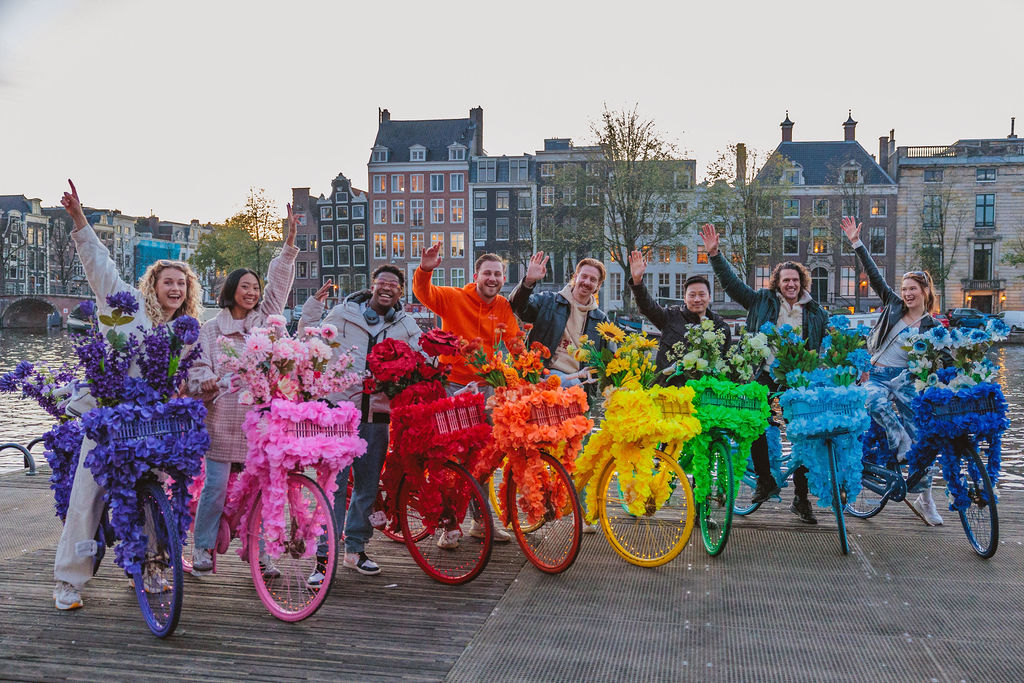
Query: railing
{"x": 966, "y": 149}
{"x": 30, "y": 462}
{"x": 971, "y": 285}
{"x": 924, "y": 152}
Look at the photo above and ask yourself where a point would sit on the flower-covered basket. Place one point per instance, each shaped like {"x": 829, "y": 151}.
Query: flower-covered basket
{"x": 528, "y": 419}
{"x": 133, "y": 439}
{"x": 636, "y": 423}
{"x": 943, "y": 416}
{"x": 286, "y": 436}
{"x": 740, "y": 409}
{"x": 838, "y": 413}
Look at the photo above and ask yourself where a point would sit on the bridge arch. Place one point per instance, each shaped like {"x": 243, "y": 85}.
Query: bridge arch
{"x": 29, "y": 312}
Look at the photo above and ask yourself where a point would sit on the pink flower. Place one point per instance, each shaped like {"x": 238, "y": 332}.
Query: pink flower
{"x": 258, "y": 343}
{"x": 328, "y": 332}
{"x": 283, "y": 349}
{"x": 288, "y": 387}
{"x": 275, "y": 321}
{"x": 245, "y": 397}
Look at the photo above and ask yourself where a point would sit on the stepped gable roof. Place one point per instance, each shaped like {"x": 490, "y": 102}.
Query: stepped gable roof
{"x": 434, "y": 134}
{"x": 822, "y": 160}
{"x": 14, "y": 202}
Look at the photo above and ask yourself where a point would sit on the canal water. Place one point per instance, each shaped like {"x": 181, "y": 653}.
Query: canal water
{"x": 22, "y": 420}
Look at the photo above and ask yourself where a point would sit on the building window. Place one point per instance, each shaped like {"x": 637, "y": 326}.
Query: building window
{"x": 525, "y": 200}
{"x": 763, "y": 241}
{"x": 340, "y": 196}
{"x": 486, "y": 170}
{"x": 663, "y": 285}
{"x": 547, "y": 170}
{"x": 501, "y": 228}
{"x": 819, "y": 240}
{"x": 359, "y": 281}
{"x": 326, "y": 257}
{"x": 821, "y": 207}
{"x": 986, "y": 175}
{"x": 358, "y": 231}
{"x": 819, "y": 284}
{"x": 301, "y": 270}
{"x": 847, "y": 281}
{"x": 878, "y": 240}
{"x": 458, "y": 209}
{"x": 615, "y": 286}
{"x": 344, "y": 255}
{"x": 327, "y": 233}
{"x": 359, "y": 255}
{"x": 343, "y": 232}
{"x": 850, "y": 207}
{"x": 359, "y": 211}
{"x": 547, "y": 196}
{"x": 380, "y": 245}
{"x": 437, "y": 238}
{"x": 437, "y": 277}
{"x": 933, "y": 175}
{"x": 398, "y": 183}
{"x": 569, "y": 195}
{"x": 341, "y": 212}
{"x": 326, "y": 213}
{"x": 437, "y": 211}
{"x": 457, "y": 242}
{"x": 984, "y": 210}
{"x": 437, "y": 182}
{"x": 851, "y": 176}
{"x": 680, "y": 285}
{"x": 878, "y": 208}
{"x": 458, "y": 277}
{"x": 479, "y": 230}
{"x": 417, "y": 154}
{"x": 518, "y": 170}
{"x": 456, "y": 154}
{"x": 682, "y": 254}
{"x": 380, "y": 211}
{"x": 790, "y": 240}
{"x": 479, "y": 201}
{"x": 397, "y": 245}
{"x": 791, "y": 208}
{"x": 344, "y": 284}
{"x": 416, "y": 213}
{"x": 702, "y": 256}
{"x": 416, "y": 182}
{"x": 397, "y": 211}
{"x": 380, "y": 154}
{"x": 983, "y": 261}
{"x": 761, "y": 276}
{"x": 378, "y": 184}
{"x": 458, "y": 182}
{"x": 593, "y": 199}
{"x": 416, "y": 244}
{"x": 501, "y": 201}
{"x": 931, "y": 211}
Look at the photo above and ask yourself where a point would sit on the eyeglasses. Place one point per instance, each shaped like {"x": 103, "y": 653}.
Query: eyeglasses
{"x": 387, "y": 284}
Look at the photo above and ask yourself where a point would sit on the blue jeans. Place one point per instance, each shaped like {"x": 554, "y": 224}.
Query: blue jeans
{"x": 366, "y": 478}
{"x": 211, "y": 504}
{"x": 890, "y": 391}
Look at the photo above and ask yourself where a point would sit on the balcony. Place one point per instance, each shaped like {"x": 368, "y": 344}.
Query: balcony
{"x": 973, "y": 148}
{"x": 969, "y": 285}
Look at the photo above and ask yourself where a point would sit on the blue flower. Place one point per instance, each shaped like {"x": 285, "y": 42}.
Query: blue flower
{"x": 920, "y": 346}
{"x": 860, "y": 359}
{"x": 186, "y": 328}
{"x": 88, "y": 308}
{"x": 840, "y": 322}
{"x": 123, "y": 301}
{"x": 785, "y": 329}
{"x": 767, "y": 329}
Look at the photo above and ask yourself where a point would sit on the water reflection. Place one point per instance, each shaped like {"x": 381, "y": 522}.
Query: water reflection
{"x": 21, "y": 420}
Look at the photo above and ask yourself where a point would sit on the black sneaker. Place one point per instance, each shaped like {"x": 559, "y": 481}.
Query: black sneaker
{"x": 801, "y": 507}
{"x": 316, "y": 579}
{"x": 766, "y": 488}
{"x": 361, "y": 563}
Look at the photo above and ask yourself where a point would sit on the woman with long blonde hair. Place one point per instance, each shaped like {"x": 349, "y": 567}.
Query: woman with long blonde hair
{"x": 167, "y": 290}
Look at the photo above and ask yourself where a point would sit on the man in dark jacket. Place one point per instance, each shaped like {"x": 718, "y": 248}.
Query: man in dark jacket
{"x": 672, "y": 321}
{"x": 785, "y": 301}
{"x": 561, "y": 318}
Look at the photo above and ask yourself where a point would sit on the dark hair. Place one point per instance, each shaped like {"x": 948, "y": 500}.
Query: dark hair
{"x": 389, "y": 268}
{"x": 696, "y": 280}
{"x": 488, "y": 257}
{"x": 801, "y": 269}
{"x": 227, "y": 292}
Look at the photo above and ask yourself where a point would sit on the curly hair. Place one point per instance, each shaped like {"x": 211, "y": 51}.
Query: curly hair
{"x": 801, "y": 269}
{"x": 193, "y": 303}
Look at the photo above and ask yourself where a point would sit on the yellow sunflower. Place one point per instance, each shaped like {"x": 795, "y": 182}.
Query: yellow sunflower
{"x": 610, "y": 331}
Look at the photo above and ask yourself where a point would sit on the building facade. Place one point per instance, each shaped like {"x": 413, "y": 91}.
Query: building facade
{"x": 504, "y": 210}
{"x": 24, "y": 246}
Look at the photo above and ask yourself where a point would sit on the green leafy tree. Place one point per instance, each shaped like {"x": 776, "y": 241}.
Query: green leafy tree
{"x": 245, "y": 240}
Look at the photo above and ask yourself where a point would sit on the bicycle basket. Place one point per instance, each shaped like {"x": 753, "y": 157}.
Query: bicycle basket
{"x": 305, "y": 428}
{"x": 710, "y": 398}
{"x": 671, "y": 407}
{"x": 158, "y": 427}
{"x": 454, "y": 419}
{"x": 545, "y": 414}
{"x": 958, "y": 406}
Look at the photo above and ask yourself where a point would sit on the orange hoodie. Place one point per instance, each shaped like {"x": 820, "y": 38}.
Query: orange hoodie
{"x": 464, "y": 313}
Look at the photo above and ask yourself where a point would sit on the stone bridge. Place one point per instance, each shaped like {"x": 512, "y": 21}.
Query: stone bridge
{"x": 33, "y": 310}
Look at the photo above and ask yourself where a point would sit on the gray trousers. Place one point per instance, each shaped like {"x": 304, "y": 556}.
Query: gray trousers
{"x": 76, "y": 548}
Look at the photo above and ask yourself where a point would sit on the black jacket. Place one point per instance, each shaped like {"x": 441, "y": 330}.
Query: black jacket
{"x": 672, "y": 321}
{"x": 893, "y": 307}
{"x": 549, "y": 312}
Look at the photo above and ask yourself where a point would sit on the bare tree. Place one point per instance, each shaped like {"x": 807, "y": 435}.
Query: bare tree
{"x": 260, "y": 219}
{"x": 1013, "y": 248}
{"x": 944, "y": 213}
{"x": 63, "y": 255}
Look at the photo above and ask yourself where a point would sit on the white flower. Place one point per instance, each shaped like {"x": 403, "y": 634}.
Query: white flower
{"x": 710, "y": 336}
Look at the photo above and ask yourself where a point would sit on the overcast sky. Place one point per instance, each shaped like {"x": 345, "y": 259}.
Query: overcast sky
{"x": 179, "y": 107}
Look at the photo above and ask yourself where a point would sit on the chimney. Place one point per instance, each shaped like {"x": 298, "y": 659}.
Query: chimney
{"x": 476, "y": 115}
{"x": 850, "y": 128}
{"x": 883, "y": 151}
{"x": 383, "y": 115}
{"x": 1013, "y": 121}
{"x": 741, "y": 163}
{"x": 787, "y": 129}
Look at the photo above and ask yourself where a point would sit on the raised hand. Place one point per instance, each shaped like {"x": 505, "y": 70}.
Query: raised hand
{"x": 323, "y": 292}
{"x": 431, "y": 257}
{"x": 73, "y": 205}
{"x": 637, "y": 266}
{"x": 851, "y": 227}
{"x": 293, "y": 227}
{"x": 536, "y": 269}
{"x": 710, "y": 237}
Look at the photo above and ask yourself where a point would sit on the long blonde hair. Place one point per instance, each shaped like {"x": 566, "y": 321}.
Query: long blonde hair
{"x": 193, "y": 303}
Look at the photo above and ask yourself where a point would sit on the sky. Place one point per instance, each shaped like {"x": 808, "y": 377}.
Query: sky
{"x": 178, "y": 108}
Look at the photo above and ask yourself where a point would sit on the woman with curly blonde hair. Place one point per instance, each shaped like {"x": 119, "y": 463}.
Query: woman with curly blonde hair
{"x": 168, "y": 290}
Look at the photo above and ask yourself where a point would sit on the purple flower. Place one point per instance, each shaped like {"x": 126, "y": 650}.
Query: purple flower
{"x": 88, "y": 308}
{"x": 186, "y": 328}
{"x": 123, "y": 301}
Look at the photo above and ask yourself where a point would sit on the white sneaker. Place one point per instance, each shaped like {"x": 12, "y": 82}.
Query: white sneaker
{"x": 202, "y": 562}
{"x": 378, "y": 520}
{"x": 361, "y": 563}
{"x": 66, "y": 596}
{"x": 924, "y": 506}
{"x": 448, "y": 539}
{"x": 153, "y": 583}
{"x": 476, "y": 530}
{"x": 589, "y": 528}
{"x": 267, "y": 566}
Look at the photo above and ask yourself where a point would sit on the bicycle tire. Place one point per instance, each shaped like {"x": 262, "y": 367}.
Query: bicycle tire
{"x": 455, "y": 565}
{"x": 715, "y": 511}
{"x": 286, "y": 595}
{"x": 742, "y": 505}
{"x": 837, "y": 502}
{"x": 875, "y": 492}
{"x": 494, "y": 489}
{"x": 392, "y": 527}
{"x": 160, "y": 603}
{"x": 662, "y": 531}
{"x": 551, "y": 543}
{"x": 980, "y": 520}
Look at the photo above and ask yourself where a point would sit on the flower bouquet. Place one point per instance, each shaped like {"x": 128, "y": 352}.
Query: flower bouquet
{"x": 292, "y": 429}
{"x": 956, "y": 401}
{"x": 630, "y": 366}
{"x": 511, "y": 366}
{"x": 821, "y": 400}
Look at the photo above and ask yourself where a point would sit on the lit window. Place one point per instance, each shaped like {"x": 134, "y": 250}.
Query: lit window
{"x": 437, "y": 211}
{"x": 326, "y": 213}
{"x": 501, "y": 201}
{"x": 397, "y": 245}
{"x": 397, "y": 211}
{"x": 457, "y": 242}
{"x": 437, "y": 238}
{"x": 416, "y": 182}
{"x": 380, "y": 245}
{"x": 416, "y": 244}
{"x": 458, "y": 209}
{"x": 878, "y": 208}
{"x": 547, "y": 196}
{"x": 379, "y": 184}
{"x": 398, "y": 183}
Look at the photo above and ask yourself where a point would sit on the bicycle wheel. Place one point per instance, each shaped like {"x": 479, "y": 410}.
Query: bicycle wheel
{"x": 981, "y": 523}
{"x": 837, "y": 502}
{"x": 281, "y": 580}
{"x": 457, "y": 563}
{"x": 745, "y": 491}
{"x": 159, "y": 581}
{"x": 876, "y": 490}
{"x": 716, "y": 508}
{"x": 660, "y": 532}
{"x": 552, "y": 542}
{"x": 494, "y": 490}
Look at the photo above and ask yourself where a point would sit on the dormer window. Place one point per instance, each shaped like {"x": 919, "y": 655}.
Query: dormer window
{"x": 456, "y": 153}
{"x": 380, "y": 154}
{"x": 852, "y": 175}
{"x": 794, "y": 176}
{"x": 417, "y": 153}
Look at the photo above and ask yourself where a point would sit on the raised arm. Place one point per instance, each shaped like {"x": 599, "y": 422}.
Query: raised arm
{"x": 650, "y": 308}
{"x": 281, "y": 272}
{"x": 886, "y": 293}
{"x": 524, "y": 304}
{"x": 313, "y": 309}
{"x": 432, "y": 296}
{"x": 738, "y": 290}
{"x": 100, "y": 270}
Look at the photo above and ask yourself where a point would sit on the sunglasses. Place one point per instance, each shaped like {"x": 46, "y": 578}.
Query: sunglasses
{"x": 167, "y": 263}
{"x": 916, "y": 273}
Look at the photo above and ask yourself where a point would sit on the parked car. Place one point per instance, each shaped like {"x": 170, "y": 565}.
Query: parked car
{"x": 1014, "y": 320}
{"x": 942, "y": 318}
{"x": 968, "y": 317}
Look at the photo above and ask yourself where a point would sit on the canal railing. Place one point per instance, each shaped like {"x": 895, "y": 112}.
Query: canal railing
{"x": 30, "y": 462}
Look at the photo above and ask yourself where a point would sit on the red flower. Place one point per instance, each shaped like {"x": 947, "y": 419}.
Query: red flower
{"x": 437, "y": 342}
{"x": 392, "y": 359}
{"x": 369, "y": 386}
